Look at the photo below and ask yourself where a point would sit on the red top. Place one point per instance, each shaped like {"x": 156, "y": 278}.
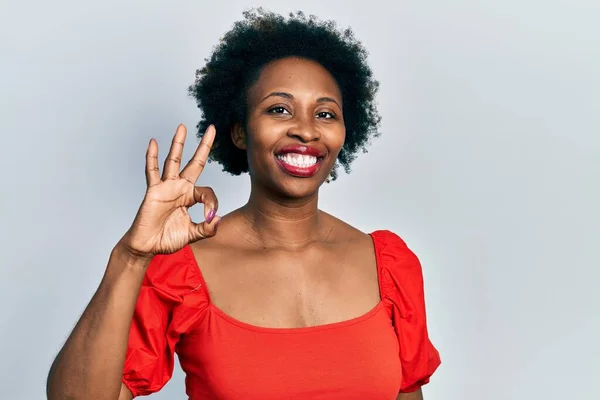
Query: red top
{"x": 374, "y": 356}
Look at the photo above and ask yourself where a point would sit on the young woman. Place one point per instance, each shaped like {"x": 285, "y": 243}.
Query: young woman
{"x": 277, "y": 299}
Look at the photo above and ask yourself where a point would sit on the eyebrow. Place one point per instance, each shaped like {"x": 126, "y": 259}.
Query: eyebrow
{"x": 289, "y": 96}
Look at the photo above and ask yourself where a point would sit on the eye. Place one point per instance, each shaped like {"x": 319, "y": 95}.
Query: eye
{"x": 326, "y": 115}
{"x": 278, "y": 110}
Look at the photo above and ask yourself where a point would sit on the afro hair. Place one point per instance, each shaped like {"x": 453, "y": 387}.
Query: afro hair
{"x": 221, "y": 86}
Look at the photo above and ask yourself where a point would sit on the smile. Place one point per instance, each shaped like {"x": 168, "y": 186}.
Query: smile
{"x": 300, "y": 160}
{"x": 299, "y": 165}
{"x": 297, "y": 160}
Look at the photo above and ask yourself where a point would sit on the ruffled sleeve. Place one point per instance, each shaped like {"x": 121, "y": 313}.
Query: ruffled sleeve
{"x": 401, "y": 285}
{"x": 168, "y": 304}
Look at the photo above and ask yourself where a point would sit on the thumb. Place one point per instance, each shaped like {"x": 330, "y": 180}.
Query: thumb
{"x": 204, "y": 229}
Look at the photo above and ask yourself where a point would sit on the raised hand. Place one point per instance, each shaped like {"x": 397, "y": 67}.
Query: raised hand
{"x": 162, "y": 224}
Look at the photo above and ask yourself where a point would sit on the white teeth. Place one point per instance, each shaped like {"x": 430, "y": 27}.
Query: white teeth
{"x": 298, "y": 160}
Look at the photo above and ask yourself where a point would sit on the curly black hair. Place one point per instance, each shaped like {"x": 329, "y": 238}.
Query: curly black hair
{"x": 221, "y": 86}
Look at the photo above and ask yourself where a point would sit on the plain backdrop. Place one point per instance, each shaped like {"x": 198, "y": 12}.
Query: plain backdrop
{"x": 488, "y": 166}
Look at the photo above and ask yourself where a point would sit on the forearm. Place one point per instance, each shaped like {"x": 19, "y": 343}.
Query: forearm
{"x": 416, "y": 395}
{"x": 90, "y": 364}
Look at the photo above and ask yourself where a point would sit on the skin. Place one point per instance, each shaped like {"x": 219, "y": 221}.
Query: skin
{"x": 319, "y": 269}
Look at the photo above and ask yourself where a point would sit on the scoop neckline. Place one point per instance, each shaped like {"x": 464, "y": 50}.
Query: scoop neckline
{"x": 301, "y": 329}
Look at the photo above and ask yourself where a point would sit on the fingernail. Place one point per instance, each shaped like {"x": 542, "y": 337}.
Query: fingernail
{"x": 211, "y": 215}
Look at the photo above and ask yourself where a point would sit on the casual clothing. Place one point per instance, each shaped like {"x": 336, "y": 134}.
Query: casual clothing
{"x": 374, "y": 356}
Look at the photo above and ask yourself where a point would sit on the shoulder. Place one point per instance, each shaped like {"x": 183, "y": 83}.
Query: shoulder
{"x": 399, "y": 266}
{"x": 389, "y": 242}
{"x": 174, "y": 273}
{"x": 344, "y": 232}
{"x": 383, "y": 241}
{"x": 402, "y": 290}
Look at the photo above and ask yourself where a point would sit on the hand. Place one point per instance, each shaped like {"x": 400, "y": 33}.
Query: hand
{"x": 162, "y": 224}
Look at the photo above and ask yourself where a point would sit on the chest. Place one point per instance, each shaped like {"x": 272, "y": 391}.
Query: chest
{"x": 289, "y": 290}
{"x": 354, "y": 359}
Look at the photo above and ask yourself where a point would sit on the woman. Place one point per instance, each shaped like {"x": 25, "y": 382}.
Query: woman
{"x": 282, "y": 300}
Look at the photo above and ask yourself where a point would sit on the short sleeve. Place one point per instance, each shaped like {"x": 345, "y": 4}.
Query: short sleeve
{"x": 401, "y": 285}
{"x": 167, "y": 306}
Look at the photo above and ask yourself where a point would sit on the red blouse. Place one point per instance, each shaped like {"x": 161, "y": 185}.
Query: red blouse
{"x": 374, "y": 356}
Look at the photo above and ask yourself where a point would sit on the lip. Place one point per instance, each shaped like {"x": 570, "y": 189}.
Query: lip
{"x": 301, "y": 149}
{"x": 300, "y": 172}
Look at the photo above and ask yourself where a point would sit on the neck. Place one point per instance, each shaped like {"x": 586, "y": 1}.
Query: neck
{"x": 274, "y": 221}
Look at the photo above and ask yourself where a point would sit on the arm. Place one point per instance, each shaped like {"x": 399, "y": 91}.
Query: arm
{"x": 90, "y": 364}
{"x": 125, "y": 393}
{"x": 416, "y": 395}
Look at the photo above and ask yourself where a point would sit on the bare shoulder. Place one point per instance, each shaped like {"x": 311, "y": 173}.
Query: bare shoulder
{"x": 358, "y": 254}
{"x": 343, "y": 231}
{"x": 227, "y": 236}
{"x": 356, "y": 243}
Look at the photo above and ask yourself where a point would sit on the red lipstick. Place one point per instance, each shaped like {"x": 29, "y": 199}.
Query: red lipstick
{"x": 301, "y": 149}
{"x": 296, "y": 166}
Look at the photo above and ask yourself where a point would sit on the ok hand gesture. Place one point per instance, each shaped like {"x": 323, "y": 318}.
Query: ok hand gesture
{"x": 162, "y": 224}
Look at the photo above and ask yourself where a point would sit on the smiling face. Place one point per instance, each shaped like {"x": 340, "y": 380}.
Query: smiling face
{"x": 294, "y": 128}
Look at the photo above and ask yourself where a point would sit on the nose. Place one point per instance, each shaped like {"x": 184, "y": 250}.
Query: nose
{"x": 304, "y": 129}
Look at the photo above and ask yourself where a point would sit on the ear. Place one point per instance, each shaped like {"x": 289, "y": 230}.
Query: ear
{"x": 238, "y": 136}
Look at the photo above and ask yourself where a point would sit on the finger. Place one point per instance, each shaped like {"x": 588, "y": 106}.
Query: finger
{"x": 152, "y": 173}
{"x": 173, "y": 160}
{"x": 204, "y": 230}
{"x": 194, "y": 167}
{"x": 206, "y": 196}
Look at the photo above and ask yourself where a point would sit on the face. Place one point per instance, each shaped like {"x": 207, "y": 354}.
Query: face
{"x": 295, "y": 127}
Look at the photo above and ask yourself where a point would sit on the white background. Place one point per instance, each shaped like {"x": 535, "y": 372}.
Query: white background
{"x": 488, "y": 167}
